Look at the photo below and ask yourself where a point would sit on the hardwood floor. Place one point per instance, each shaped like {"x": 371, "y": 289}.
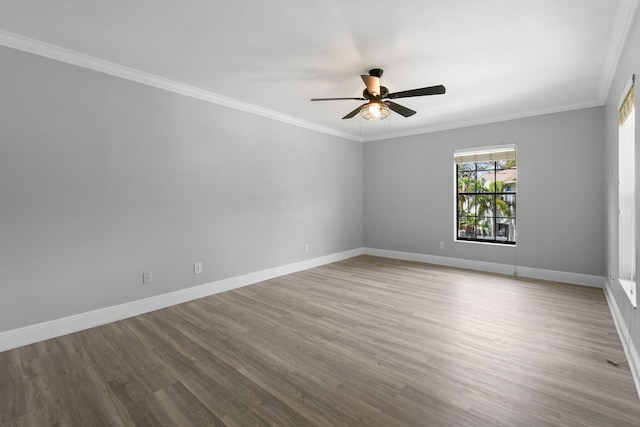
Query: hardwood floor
{"x": 366, "y": 341}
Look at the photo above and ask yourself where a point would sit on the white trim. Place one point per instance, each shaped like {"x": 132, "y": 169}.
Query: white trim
{"x": 626, "y": 207}
{"x": 625, "y": 92}
{"x": 481, "y": 242}
{"x": 55, "y": 328}
{"x": 489, "y": 153}
{"x": 629, "y": 287}
{"x": 484, "y": 149}
{"x": 491, "y": 267}
{"x": 58, "y": 327}
{"x": 627, "y": 343}
{"x": 36, "y": 47}
{"x": 622, "y": 28}
{"x": 92, "y": 63}
{"x": 454, "y": 125}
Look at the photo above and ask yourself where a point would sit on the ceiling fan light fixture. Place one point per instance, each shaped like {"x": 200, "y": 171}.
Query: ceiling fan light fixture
{"x": 375, "y": 111}
{"x": 379, "y": 104}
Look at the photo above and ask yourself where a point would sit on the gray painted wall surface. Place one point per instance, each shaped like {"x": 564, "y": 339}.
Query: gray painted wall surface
{"x": 409, "y": 192}
{"x": 102, "y": 179}
{"x": 629, "y": 64}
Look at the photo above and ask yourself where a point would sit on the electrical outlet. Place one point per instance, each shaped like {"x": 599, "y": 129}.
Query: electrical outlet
{"x": 441, "y": 245}
{"x": 197, "y": 268}
{"x": 146, "y": 278}
{"x": 306, "y": 247}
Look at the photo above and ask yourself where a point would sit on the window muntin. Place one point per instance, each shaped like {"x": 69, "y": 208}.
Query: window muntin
{"x": 486, "y": 194}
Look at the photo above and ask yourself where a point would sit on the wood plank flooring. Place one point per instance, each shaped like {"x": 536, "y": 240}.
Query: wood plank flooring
{"x": 363, "y": 342}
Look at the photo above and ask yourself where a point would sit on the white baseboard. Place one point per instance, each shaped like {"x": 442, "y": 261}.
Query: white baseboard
{"x": 58, "y": 327}
{"x": 491, "y": 267}
{"x": 534, "y": 273}
{"x": 627, "y": 343}
{"x": 55, "y": 328}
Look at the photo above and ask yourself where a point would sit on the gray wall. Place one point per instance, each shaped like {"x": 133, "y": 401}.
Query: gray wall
{"x": 409, "y": 192}
{"x": 629, "y": 64}
{"x": 102, "y": 179}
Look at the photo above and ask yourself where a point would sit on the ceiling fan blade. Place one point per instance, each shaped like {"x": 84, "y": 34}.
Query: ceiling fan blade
{"x": 336, "y": 99}
{"x": 403, "y": 111}
{"x": 354, "y": 112}
{"x": 431, "y": 90}
{"x": 373, "y": 84}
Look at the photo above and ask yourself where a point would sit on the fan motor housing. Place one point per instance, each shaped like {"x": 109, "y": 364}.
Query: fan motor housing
{"x": 383, "y": 92}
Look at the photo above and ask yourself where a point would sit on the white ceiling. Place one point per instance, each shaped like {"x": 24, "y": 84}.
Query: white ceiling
{"x": 499, "y": 59}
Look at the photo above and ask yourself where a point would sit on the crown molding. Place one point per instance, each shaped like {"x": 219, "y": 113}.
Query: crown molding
{"x": 487, "y": 120}
{"x": 57, "y": 53}
{"x": 624, "y": 21}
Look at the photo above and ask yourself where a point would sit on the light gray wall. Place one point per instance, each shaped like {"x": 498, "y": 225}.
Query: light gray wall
{"x": 629, "y": 64}
{"x": 409, "y": 192}
{"x": 102, "y": 179}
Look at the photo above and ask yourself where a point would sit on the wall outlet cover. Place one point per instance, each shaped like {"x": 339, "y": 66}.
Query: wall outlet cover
{"x": 146, "y": 278}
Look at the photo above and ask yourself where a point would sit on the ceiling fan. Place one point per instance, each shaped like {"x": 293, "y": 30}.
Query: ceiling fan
{"x": 377, "y": 108}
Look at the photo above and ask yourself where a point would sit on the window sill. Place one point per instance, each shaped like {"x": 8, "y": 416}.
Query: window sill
{"x": 487, "y": 242}
{"x": 629, "y": 287}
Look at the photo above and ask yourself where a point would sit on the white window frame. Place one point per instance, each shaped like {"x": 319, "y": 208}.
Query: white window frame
{"x": 626, "y": 201}
{"x": 479, "y": 154}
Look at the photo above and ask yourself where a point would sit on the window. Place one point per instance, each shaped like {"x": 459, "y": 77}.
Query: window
{"x": 626, "y": 194}
{"x": 486, "y": 181}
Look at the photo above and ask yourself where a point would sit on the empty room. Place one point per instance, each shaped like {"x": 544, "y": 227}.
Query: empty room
{"x": 410, "y": 213}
